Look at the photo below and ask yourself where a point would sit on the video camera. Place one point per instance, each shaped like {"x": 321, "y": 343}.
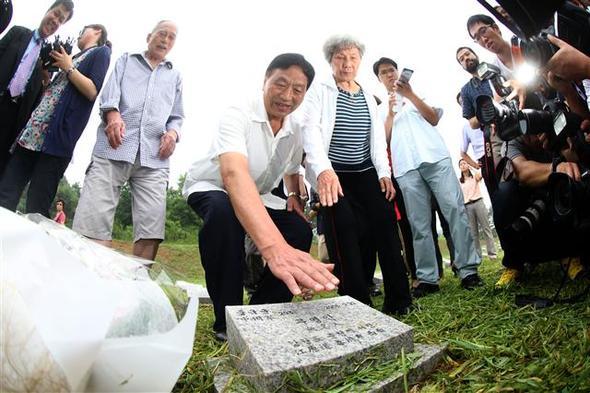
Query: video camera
{"x": 46, "y": 59}
{"x": 531, "y": 20}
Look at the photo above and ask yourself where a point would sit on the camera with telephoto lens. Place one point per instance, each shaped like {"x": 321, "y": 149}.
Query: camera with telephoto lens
{"x": 555, "y": 120}
{"x": 46, "y": 59}
{"x": 531, "y": 217}
{"x": 504, "y": 115}
{"x": 570, "y": 200}
{"x": 531, "y": 20}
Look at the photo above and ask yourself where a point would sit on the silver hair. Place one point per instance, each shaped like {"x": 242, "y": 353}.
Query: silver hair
{"x": 164, "y": 21}
{"x": 336, "y": 43}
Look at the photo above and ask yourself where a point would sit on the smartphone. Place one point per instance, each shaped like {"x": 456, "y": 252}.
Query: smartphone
{"x": 406, "y": 75}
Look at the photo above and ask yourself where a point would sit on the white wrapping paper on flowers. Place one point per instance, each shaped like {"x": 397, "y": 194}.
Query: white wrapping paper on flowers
{"x": 76, "y": 316}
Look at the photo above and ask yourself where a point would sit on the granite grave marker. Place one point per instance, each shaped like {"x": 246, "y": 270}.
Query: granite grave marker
{"x": 322, "y": 340}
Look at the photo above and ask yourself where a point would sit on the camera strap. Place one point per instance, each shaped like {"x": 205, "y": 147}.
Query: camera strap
{"x": 488, "y": 162}
{"x": 542, "y": 302}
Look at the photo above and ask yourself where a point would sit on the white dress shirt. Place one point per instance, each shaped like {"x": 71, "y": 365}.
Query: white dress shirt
{"x": 245, "y": 129}
{"x": 473, "y": 137}
{"x": 414, "y": 141}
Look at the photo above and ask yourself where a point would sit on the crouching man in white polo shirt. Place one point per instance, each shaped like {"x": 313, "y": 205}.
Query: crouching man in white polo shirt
{"x": 256, "y": 145}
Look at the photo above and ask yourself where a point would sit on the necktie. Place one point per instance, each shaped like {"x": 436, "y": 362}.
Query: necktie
{"x": 24, "y": 70}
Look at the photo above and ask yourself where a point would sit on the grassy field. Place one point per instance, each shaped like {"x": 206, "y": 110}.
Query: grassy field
{"x": 493, "y": 346}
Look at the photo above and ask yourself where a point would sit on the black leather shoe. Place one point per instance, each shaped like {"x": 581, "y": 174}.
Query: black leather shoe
{"x": 471, "y": 282}
{"x": 221, "y": 336}
{"x": 424, "y": 289}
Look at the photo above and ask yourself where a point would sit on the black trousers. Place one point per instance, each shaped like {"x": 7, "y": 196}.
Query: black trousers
{"x": 362, "y": 216}
{"x": 221, "y": 244}
{"x": 44, "y": 171}
{"x": 489, "y": 178}
{"x": 8, "y": 129}
{"x": 444, "y": 224}
{"x": 547, "y": 241}
{"x": 370, "y": 255}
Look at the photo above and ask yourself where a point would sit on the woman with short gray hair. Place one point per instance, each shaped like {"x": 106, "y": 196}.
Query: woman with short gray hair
{"x": 346, "y": 162}
{"x": 337, "y": 43}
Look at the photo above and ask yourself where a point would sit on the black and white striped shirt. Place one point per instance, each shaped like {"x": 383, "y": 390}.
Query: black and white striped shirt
{"x": 350, "y": 147}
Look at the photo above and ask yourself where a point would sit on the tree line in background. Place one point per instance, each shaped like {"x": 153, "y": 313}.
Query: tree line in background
{"x": 182, "y": 223}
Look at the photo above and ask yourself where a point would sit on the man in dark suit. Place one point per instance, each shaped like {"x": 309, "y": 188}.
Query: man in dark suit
{"x": 21, "y": 76}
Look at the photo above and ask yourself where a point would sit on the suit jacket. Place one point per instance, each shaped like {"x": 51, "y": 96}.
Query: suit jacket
{"x": 12, "y": 49}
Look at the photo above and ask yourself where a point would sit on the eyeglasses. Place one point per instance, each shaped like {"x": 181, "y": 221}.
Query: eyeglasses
{"x": 83, "y": 30}
{"x": 481, "y": 32}
{"x": 387, "y": 71}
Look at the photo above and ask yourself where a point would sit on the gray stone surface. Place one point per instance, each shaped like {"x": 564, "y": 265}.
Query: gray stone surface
{"x": 426, "y": 358}
{"x": 320, "y": 340}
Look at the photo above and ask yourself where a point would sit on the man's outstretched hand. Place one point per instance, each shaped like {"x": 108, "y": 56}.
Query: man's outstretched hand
{"x": 298, "y": 269}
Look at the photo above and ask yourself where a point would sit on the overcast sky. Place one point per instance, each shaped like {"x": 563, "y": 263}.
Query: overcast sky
{"x": 223, "y": 48}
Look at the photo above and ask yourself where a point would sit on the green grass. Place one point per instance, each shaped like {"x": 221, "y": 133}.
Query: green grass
{"x": 493, "y": 346}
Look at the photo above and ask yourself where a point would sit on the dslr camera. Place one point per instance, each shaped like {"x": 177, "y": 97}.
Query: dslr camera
{"x": 46, "y": 59}
{"x": 569, "y": 199}
{"x": 489, "y": 72}
{"x": 555, "y": 120}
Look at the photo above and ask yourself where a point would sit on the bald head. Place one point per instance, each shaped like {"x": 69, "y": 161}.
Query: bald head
{"x": 164, "y": 21}
{"x": 161, "y": 40}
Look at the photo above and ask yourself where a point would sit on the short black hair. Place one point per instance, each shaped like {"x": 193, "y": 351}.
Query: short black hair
{"x": 459, "y": 49}
{"x": 286, "y": 60}
{"x": 479, "y": 18}
{"x": 68, "y": 5}
{"x": 381, "y": 61}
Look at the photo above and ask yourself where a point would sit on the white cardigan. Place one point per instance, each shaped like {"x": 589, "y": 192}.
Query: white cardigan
{"x": 319, "y": 116}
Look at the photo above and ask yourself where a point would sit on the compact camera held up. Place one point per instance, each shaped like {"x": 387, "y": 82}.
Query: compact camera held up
{"x": 45, "y": 55}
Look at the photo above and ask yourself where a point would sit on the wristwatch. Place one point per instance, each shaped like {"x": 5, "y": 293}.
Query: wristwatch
{"x": 556, "y": 161}
{"x": 70, "y": 70}
{"x": 293, "y": 194}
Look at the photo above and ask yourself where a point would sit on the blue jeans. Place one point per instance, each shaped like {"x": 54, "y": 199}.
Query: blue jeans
{"x": 416, "y": 185}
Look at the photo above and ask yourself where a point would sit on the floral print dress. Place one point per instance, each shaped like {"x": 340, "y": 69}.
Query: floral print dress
{"x": 33, "y": 135}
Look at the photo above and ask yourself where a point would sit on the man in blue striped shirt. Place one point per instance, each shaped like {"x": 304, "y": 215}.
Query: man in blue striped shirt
{"x": 142, "y": 113}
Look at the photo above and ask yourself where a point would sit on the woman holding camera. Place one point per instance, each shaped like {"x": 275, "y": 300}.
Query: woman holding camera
{"x": 45, "y": 146}
{"x": 477, "y": 214}
{"x": 346, "y": 162}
